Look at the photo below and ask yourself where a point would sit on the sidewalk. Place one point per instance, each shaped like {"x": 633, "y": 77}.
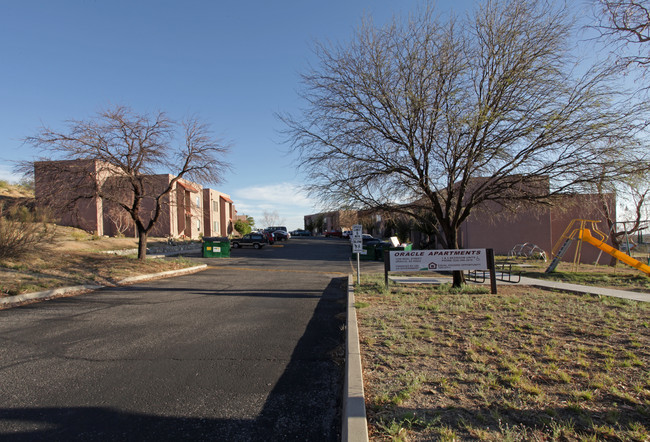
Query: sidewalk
{"x": 540, "y": 283}
{"x": 577, "y": 288}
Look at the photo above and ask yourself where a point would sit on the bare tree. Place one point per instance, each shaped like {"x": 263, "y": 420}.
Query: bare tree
{"x": 318, "y": 224}
{"x": 271, "y": 219}
{"x": 120, "y": 218}
{"x": 126, "y": 149}
{"x": 348, "y": 218}
{"x": 626, "y": 23}
{"x": 429, "y": 116}
{"x": 632, "y": 194}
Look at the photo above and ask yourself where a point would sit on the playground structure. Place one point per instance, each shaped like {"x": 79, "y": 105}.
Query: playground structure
{"x": 580, "y": 230}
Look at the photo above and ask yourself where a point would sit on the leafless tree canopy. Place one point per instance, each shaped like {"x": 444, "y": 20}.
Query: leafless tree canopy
{"x": 130, "y": 148}
{"x": 448, "y": 115}
{"x": 271, "y": 219}
{"x": 627, "y": 23}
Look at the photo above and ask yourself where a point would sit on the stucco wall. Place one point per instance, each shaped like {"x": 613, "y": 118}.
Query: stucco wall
{"x": 59, "y": 184}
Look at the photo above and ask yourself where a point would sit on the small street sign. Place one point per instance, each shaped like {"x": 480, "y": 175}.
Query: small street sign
{"x": 357, "y": 238}
{"x": 357, "y": 246}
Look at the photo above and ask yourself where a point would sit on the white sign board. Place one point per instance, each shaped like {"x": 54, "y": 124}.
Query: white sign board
{"x": 434, "y": 260}
{"x": 357, "y": 239}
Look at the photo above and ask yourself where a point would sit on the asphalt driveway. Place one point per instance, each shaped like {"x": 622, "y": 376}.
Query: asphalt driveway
{"x": 250, "y": 349}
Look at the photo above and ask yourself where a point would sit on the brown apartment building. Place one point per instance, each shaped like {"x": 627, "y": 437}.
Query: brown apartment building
{"x": 493, "y": 227}
{"x": 68, "y": 189}
{"x": 490, "y": 226}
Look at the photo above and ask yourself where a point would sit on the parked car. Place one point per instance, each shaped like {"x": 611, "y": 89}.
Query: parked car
{"x": 369, "y": 239}
{"x": 346, "y": 233}
{"x": 256, "y": 240}
{"x": 274, "y": 228}
{"x": 282, "y": 235}
{"x": 300, "y": 232}
{"x": 268, "y": 235}
{"x": 333, "y": 233}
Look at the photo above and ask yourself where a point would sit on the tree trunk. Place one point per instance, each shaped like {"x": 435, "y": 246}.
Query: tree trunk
{"x": 142, "y": 244}
{"x": 617, "y": 245}
{"x": 451, "y": 237}
{"x": 459, "y": 279}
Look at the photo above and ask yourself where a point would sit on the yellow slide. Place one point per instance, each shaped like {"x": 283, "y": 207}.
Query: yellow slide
{"x": 585, "y": 235}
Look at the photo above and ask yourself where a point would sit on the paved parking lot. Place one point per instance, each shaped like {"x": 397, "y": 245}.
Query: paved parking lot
{"x": 250, "y": 349}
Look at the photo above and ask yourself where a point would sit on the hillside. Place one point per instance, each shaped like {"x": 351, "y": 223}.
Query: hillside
{"x": 15, "y": 195}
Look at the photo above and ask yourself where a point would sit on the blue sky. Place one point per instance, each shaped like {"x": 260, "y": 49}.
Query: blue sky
{"x": 234, "y": 64}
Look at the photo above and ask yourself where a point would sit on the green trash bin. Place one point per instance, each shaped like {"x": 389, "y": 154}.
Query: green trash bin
{"x": 404, "y": 248}
{"x": 368, "y": 253}
{"x": 216, "y": 247}
{"x": 380, "y": 252}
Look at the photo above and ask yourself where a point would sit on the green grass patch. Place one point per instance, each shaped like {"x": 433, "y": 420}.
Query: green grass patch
{"x": 525, "y": 364}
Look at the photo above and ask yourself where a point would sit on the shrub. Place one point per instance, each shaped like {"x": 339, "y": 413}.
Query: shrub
{"x": 21, "y": 231}
{"x": 242, "y": 227}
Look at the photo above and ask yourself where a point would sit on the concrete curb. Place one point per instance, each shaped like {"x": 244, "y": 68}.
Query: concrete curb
{"x": 166, "y": 274}
{"x": 355, "y": 424}
{"x": 175, "y": 253}
{"x": 10, "y": 300}
{"x": 153, "y": 254}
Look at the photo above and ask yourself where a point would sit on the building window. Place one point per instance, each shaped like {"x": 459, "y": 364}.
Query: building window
{"x": 198, "y": 201}
{"x": 215, "y": 226}
{"x": 215, "y": 206}
{"x": 198, "y": 224}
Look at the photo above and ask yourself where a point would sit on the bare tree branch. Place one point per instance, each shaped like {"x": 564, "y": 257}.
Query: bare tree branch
{"x": 123, "y": 151}
{"x": 447, "y": 116}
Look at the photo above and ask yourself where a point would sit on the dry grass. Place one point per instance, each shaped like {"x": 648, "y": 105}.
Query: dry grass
{"x": 73, "y": 258}
{"x": 524, "y": 364}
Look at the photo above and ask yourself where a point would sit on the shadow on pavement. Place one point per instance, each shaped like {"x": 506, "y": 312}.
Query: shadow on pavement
{"x": 303, "y": 405}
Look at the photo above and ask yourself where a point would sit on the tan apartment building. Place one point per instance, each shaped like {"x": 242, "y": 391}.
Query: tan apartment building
{"x": 218, "y": 213}
{"x": 69, "y": 190}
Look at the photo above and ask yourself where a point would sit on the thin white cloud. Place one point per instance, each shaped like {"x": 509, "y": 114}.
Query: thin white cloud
{"x": 284, "y": 193}
{"x": 288, "y": 200}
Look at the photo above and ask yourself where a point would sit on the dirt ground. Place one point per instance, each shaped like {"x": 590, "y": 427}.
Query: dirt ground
{"x": 74, "y": 257}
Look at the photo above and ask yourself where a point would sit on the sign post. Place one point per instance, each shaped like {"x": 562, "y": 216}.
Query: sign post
{"x": 357, "y": 246}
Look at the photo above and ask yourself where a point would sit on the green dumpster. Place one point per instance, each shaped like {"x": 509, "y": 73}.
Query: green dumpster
{"x": 368, "y": 253}
{"x": 216, "y": 247}
{"x": 379, "y": 252}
